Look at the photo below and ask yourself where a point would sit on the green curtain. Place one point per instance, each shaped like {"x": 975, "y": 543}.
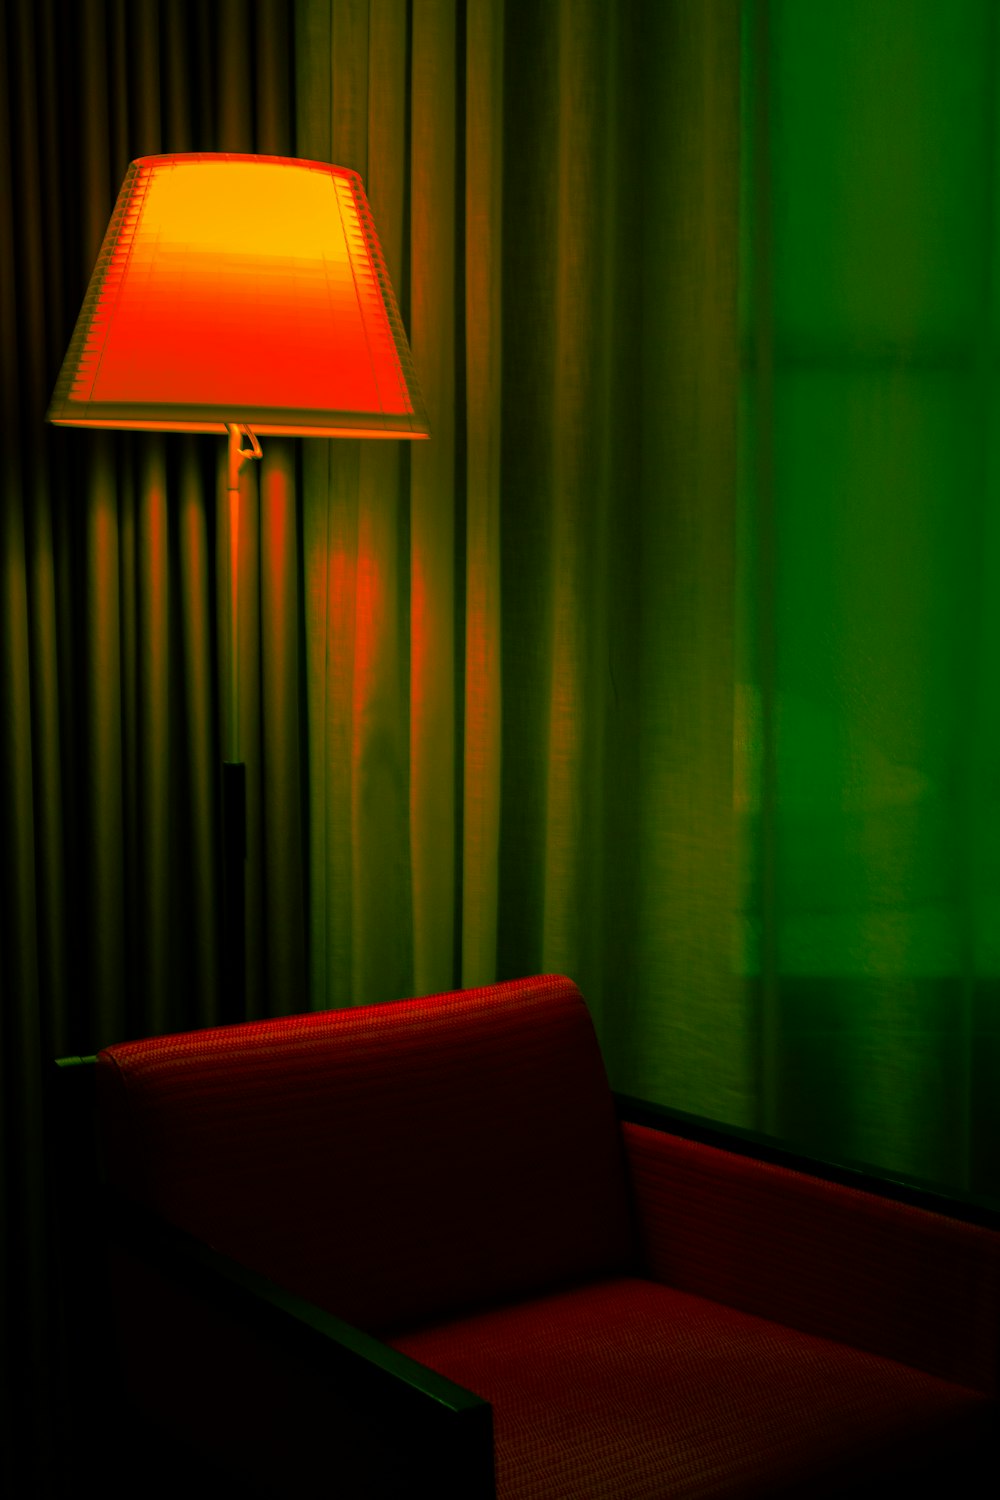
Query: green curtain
{"x": 520, "y": 636}
{"x": 869, "y": 582}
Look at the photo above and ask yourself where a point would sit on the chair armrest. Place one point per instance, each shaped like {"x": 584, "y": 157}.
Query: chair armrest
{"x": 821, "y": 1256}
{"x": 274, "y": 1390}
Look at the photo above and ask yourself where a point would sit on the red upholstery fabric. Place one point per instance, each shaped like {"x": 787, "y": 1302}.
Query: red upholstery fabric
{"x": 626, "y": 1390}
{"x": 881, "y": 1276}
{"x": 391, "y": 1163}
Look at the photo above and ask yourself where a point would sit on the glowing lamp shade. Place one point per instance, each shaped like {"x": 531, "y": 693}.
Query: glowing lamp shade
{"x": 240, "y": 289}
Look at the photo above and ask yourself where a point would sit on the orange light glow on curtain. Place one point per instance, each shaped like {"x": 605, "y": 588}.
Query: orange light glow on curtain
{"x": 240, "y": 289}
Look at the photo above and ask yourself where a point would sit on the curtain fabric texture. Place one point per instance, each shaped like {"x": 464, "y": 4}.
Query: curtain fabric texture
{"x": 869, "y": 578}
{"x": 519, "y": 635}
{"x": 667, "y": 663}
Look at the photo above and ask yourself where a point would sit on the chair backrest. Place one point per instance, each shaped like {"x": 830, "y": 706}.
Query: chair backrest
{"x": 393, "y": 1163}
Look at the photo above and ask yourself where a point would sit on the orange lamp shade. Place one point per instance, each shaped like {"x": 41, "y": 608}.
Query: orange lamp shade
{"x": 240, "y": 289}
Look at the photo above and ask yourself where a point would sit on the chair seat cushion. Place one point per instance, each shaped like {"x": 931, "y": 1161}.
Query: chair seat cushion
{"x": 629, "y": 1390}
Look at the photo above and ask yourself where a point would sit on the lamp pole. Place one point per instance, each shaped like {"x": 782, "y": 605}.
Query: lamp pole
{"x": 234, "y": 780}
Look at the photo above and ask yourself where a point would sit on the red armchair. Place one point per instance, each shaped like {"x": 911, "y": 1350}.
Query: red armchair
{"x": 414, "y": 1248}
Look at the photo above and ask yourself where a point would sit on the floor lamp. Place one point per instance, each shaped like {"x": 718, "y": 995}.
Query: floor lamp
{"x": 246, "y": 296}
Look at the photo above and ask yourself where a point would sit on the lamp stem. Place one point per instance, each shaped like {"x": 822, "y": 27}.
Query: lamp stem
{"x": 237, "y": 454}
{"x": 234, "y": 619}
{"x": 233, "y": 769}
